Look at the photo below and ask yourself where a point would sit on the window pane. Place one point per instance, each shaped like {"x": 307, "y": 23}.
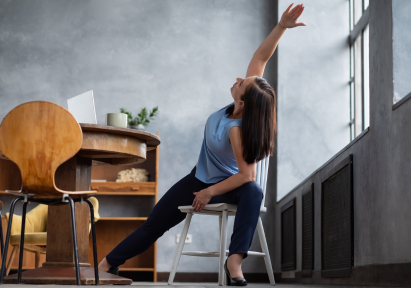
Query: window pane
{"x": 366, "y": 4}
{"x": 352, "y": 61}
{"x": 401, "y": 9}
{"x": 352, "y": 133}
{"x": 352, "y": 110}
{"x": 358, "y": 85}
{"x": 357, "y": 10}
{"x": 366, "y": 50}
{"x": 351, "y": 15}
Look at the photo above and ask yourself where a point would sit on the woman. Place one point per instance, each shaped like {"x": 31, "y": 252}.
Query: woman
{"x": 235, "y": 138}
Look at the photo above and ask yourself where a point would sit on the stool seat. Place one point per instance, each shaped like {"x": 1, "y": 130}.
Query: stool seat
{"x": 216, "y": 209}
{"x": 36, "y": 238}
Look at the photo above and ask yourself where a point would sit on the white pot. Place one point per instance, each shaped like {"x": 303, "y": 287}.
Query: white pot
{"x": 137, "y": 127}
{"x": 117, "y": 120}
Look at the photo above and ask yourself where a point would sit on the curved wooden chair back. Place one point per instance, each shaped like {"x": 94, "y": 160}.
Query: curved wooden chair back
{"x": 39, "y": 136}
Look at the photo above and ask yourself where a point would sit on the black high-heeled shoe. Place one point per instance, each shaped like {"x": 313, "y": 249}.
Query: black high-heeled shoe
{"x": 113, "y": 270}
{"x": 237, "y": 281}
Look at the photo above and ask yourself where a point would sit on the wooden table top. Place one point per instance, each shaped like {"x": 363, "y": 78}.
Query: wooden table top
{"x": 109, "y": 145}
{"x": 152, "y": 140}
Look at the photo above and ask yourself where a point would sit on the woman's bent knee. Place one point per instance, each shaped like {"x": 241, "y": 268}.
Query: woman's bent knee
{"x": 253, "y": 190}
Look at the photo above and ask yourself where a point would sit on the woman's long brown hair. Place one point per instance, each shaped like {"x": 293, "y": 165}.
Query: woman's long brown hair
{"x": 259, "y": 125}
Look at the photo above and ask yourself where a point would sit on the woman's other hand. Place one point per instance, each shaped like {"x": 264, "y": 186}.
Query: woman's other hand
{"x": 202, "y": 199}
{"x": 289, "y": 17}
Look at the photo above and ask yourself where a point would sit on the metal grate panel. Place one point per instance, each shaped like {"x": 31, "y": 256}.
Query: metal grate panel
{"x": 337, "y": 236}
{"x": 308, "y": 233}
{"x": 288, "y": 237}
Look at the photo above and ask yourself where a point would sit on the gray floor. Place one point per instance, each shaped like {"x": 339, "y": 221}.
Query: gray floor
{"x": 196, "y": 285}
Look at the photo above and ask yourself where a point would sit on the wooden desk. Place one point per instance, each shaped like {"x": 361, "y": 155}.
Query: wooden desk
{"x": 102, "y": 145}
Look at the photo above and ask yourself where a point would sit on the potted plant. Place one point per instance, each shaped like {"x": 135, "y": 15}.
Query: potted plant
{"x": 142, "y": 119}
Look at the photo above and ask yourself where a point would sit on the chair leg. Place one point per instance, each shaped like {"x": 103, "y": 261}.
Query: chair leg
{"x": 180, "y": 247}
{"x": 6, "y": 244}
{"x": 13, "y": 254}
{"x": 37, "y": 259}
{"x": 23, "y": 228}
{"x": 74, "y": 236}
{"x": 1, "y": 235}
{"x": 223, "y": 245}
{"x": 93, "y": 235}
{"x": 220, "y": 223}
{"x": 264, "y": 247}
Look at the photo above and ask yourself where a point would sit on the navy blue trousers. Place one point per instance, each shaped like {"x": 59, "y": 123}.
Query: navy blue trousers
{"x": 166, "y": 215}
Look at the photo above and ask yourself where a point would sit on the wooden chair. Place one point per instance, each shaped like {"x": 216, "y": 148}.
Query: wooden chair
{"x": 39, "y": 136}
{"x": 223, "y": 210}
{"x": 35, "y": 237}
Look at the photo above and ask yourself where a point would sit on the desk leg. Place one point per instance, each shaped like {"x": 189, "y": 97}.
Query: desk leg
{"x": 73, "y": 175}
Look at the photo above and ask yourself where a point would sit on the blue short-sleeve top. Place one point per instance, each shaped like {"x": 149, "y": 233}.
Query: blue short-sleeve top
{"x": 216, "y": 161}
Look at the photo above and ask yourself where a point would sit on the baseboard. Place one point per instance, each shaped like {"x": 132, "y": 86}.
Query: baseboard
{"x": 397, "y": 275}
{"x": 209, "y": 277}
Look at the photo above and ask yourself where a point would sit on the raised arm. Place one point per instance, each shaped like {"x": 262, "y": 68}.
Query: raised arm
{"x": 267, "y": 48}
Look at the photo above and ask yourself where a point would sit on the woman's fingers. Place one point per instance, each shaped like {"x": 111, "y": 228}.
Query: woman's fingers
{"x": 298, "y": 11}
{"x": 289, "y": 7}
{"x": 298, "y": 14}
{"x": 197, "y": 205}
{"x": 300, "y": 24}
{"x": 295, "y": 9}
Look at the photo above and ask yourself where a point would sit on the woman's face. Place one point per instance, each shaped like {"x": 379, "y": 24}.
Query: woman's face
{"x": 239, "y": 88}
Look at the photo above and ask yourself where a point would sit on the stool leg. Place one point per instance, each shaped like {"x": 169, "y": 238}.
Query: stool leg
{"x": 93, "y": 235}
{"x": 23, "y": 226}
{"x": 74, "y": 235}
{"x": 223, "y": 244}
{"x": 220, "y": 223}
{"x": 264, "y": 247}
{"x": 180, "y": 247}
{"x": 6, "y": 244}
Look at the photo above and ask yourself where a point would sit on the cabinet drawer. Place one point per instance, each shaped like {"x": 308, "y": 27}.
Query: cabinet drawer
{"x": 124, "y": 188}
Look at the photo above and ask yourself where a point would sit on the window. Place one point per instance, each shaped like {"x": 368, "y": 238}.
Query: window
{"x": 359, "y": 67}
{"x": 401, "y": 51}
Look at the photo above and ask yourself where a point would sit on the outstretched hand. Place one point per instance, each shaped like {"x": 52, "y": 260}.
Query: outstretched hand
{"x": 289, "y": 17}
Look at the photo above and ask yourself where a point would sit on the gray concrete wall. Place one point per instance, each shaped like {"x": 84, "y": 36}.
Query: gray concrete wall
{"x": 381, "y": 167}
{"x": 401, "y": 20}
{"x": 313, "y": 94}
{"x": 180, "y": 55}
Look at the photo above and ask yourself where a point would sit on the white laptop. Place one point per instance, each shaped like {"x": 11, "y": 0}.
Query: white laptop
{"x": 82, "y": 108}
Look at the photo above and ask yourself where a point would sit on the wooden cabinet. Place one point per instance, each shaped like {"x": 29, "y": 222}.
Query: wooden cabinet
{"x": 124, "y": 206}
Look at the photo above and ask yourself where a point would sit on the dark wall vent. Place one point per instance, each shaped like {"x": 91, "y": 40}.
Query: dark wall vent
{"x": 308, "y": 232}
{"x": 337, "y": 221}
{"x": 288, "y": 237}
